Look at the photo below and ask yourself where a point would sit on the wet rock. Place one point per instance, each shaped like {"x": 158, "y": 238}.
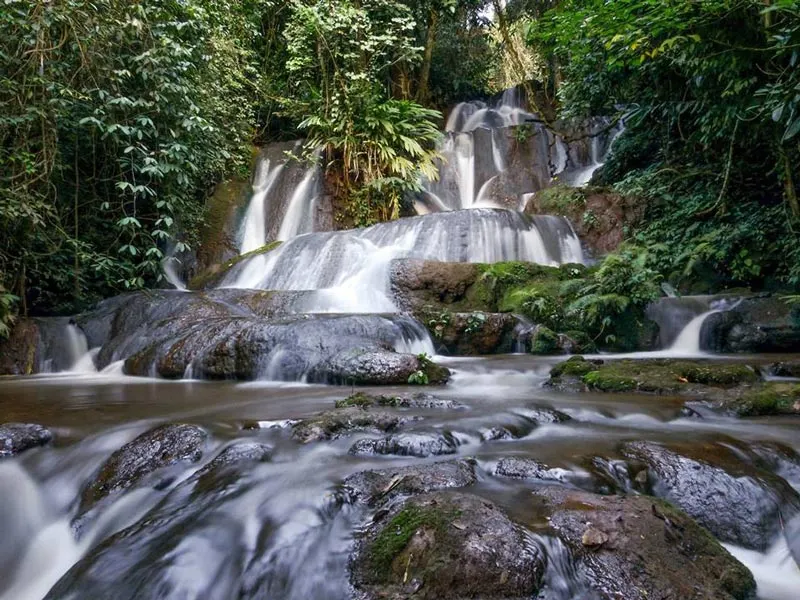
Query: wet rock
{"x": 374, "y": 368}
{"x": 637, "y": 548}
{"x": 698, "y": 379}
{"x": 792, "y": 535}
{"x": 374, "y": 487}
{"x": 419, "y": 400}
{"x": 785, "y": 369}
{"x": 736, "y": 501}
{"x": 529, "y": 468}
{"x": 762, "y": 323}
{"x": 771, "y": 398}
{"x": 19, "y": 353}
{"x": 544, "y": 416}
{"x": 474, "y": 333}
{"x": 447, "y": 546}
{"x": 418, "y": 285}
{"x": 187, "y": 528}
{"x": 18, "y": 437}
{"x": 420, "y": 445}
{"x": 158, "y": 448}
{"x": 345, "y": 421}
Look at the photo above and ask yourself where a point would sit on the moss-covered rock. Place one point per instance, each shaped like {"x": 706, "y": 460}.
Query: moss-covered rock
{"x": 771, "y": 398}
{"x": 421, "y": 400}
{"x": 211, "y": 277}
{"x": 664, "y": 376}
{"x": 447, "y": 546}
{"x": 545, "y": 341}
{"x": 19, "y": 352}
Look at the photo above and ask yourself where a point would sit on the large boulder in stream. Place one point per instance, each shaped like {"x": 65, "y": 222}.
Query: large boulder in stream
{"x": 447, "y": 545}
{"x": 147, "y": 454}
{"x": 19, "y": 437}
{"x": 756, "y": 324}
{"x": 252, "y": 334}
{"x": 737, "y": 501}
{"x": 637, "y": 548}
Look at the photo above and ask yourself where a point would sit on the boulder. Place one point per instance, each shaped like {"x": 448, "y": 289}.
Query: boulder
{"x": 761, "y": 323}
{"x": 637, "y": 548}
{"x": 447, "y": 546}
{"x": 738, "y": 502}
{"x": 376, "y": 487}
{"x": 19, "y": 437}
{"x": 419, "y": 400}
{"x": 420, "y": 445}
{"x": 345, "y": 421}
{"x": 148, "y": 453}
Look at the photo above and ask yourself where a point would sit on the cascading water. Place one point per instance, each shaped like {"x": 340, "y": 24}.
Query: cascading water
{"x": 283, "y": 197}
{"x": 479, "y": 151}
{"x": 350, "y": 269}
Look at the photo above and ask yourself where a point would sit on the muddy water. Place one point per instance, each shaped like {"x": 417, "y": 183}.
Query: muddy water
{"x": 278, "y": 531}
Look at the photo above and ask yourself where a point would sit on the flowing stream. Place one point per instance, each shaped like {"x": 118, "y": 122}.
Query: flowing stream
{"x": 277, "y": 532}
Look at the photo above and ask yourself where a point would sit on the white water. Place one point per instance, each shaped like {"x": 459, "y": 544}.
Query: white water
{"x": 349, "y": 270}
{"x": 254, "y": 227}
{"x": 300, "y": 208}
{"x": 775, "y": 572}
{"x": 171, "y": 273}
{"x": 688, "y": 342}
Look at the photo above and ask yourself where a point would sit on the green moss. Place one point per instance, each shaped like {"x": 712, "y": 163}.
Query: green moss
{"x": 582, "y": 341}
{"x": 544, "y": 341}
{"x": 396, "y": 535}
{"x": 609, "y": 382}
{"x": 364, "y": 400}
{"x": 769, "y": 399}
{"x": 212, "y": 276}
{"x": 721, "y": 375}
{"x": 576, "y": 366}
{"x": 560, "y": 200}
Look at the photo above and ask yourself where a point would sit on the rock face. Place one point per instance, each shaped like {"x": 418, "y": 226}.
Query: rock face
{"x": 153, "y": 450}
{"x": 599, "y": 216}
{"x": 635, "y": 548}
{"x": 756, "y": 324}
{"x": 738, "y": 502}
{"x": 18, "y": 437}
{"x": 19, "y": 353}
{"x": 447, "y": 545}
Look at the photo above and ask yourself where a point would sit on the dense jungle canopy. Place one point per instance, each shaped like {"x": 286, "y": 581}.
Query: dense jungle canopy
{"x": 120, "y": 117}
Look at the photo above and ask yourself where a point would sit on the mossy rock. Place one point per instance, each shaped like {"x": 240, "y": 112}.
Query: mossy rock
{"x": 719, "y": 375}
{"x": 773, "y": 398}
{"x": 216, "y": 273}
{"x": 448, "y": 546}
{"x": 364, "y": 400}
{"x": 610, "y": 382}
{"x": 545, "y": 341}
{"x": 575, "y": 366}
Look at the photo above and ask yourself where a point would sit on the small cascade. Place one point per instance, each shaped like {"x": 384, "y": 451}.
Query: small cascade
{"x": 350, "y": 269}
{"x": 170, "y": 267}
{"x": 299, "y": 212}
{"x": 688, "y": 342}
{"x": 283, "y": 197}
{"x": 484, "y": 164}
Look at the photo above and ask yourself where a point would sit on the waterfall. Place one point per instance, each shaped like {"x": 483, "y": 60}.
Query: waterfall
{"x": 283, "y": 197}
{"x": 350, "y": 269}
{"x": 171, "y": 273}
{"x": 254, "y": 226}
{"x": 688, "y": 342}
{"x": 483, "y": 164}
{"x": 299, "y": 213}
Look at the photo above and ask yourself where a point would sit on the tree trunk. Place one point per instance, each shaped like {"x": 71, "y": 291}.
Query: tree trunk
{"x": 425, "y": 71}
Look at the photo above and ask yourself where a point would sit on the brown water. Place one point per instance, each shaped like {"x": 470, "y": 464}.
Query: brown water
{"x": 280, "y": 535}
